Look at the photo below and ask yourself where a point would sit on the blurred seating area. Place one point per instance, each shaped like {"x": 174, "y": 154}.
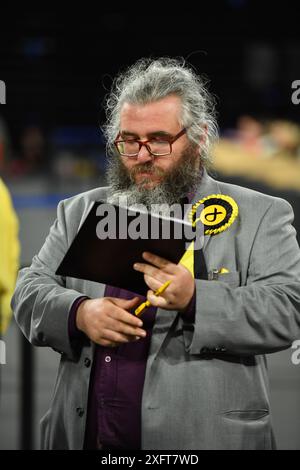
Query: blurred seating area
{"x": 264, "y": 151}
{"x": 63, "y": 153}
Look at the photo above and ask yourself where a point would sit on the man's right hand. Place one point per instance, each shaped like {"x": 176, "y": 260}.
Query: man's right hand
{"x": 107, "y": 322}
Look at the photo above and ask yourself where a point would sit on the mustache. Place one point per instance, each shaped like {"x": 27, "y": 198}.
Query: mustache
{"x": 148, "y": 168}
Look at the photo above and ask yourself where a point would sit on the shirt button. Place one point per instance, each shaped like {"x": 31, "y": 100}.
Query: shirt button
{"x": 80, "y": 411}
{"x": 107, "y": 359}
{"x": 87, "y": 362}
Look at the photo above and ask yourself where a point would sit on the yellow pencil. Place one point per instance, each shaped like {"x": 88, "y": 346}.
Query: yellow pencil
{"x": 146, "y": 304}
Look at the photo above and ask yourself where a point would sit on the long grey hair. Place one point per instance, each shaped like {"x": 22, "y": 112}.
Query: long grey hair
{"x": 149, "y": 80}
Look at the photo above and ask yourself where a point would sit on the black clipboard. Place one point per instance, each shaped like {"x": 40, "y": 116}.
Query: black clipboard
{"x": 110, "y": 261}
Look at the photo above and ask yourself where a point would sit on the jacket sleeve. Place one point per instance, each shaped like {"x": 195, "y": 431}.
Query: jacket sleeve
{"x": 41, "y": 302}
{"x": 264, "y": 315}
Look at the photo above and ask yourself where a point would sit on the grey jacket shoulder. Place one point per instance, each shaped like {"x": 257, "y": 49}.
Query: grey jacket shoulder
{"x": 247, "y": 193}
{"x": 76, "y": 208}
{"x": 85, "y": 198}
{"x": 244, "y": 195}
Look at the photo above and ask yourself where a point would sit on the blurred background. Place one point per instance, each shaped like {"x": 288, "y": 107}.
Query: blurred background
{"x": 57, "y": 67}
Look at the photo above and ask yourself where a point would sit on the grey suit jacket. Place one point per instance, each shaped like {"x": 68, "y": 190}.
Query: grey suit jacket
{"x": 206, "y": 384}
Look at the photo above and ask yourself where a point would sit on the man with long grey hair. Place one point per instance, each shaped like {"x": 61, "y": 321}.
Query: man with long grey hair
{"x": 190, "y": 373}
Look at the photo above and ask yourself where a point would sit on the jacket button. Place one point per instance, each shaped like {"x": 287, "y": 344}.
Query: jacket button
{"x": 87, "y": 362}
{"x": 80, "y": 411}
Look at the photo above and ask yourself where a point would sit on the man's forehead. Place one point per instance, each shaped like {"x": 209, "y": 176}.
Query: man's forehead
{"x": 162, "y": 115}
{"x": 153, "y": 133}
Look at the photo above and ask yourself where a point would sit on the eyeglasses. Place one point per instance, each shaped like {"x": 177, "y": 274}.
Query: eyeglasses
{"x": 157, "y": 147}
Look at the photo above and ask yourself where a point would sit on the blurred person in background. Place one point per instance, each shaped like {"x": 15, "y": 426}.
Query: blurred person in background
{"x": 265, "y": 138}
{"x": 249, "y": 134}
{"x": 31, "y": 159}
{"x": 282, "y": 139}
{"x": 265, "y": 150}
{"x": 191, "y": 373}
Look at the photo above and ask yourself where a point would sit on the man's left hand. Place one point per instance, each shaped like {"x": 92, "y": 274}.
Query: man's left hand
{"x": 157, "y": 271}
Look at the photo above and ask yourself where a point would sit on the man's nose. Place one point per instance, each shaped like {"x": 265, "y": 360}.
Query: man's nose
{"x": 144, "y": 155}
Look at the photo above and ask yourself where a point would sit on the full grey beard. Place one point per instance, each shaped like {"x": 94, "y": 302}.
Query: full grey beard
{"x": 176, "y": 184}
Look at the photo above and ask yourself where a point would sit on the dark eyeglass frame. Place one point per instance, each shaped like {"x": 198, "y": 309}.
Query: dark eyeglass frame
{"x": 170, "y": 141}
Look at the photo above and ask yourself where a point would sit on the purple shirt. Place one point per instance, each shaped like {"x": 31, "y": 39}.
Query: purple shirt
{"x": 114, "y": 410}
